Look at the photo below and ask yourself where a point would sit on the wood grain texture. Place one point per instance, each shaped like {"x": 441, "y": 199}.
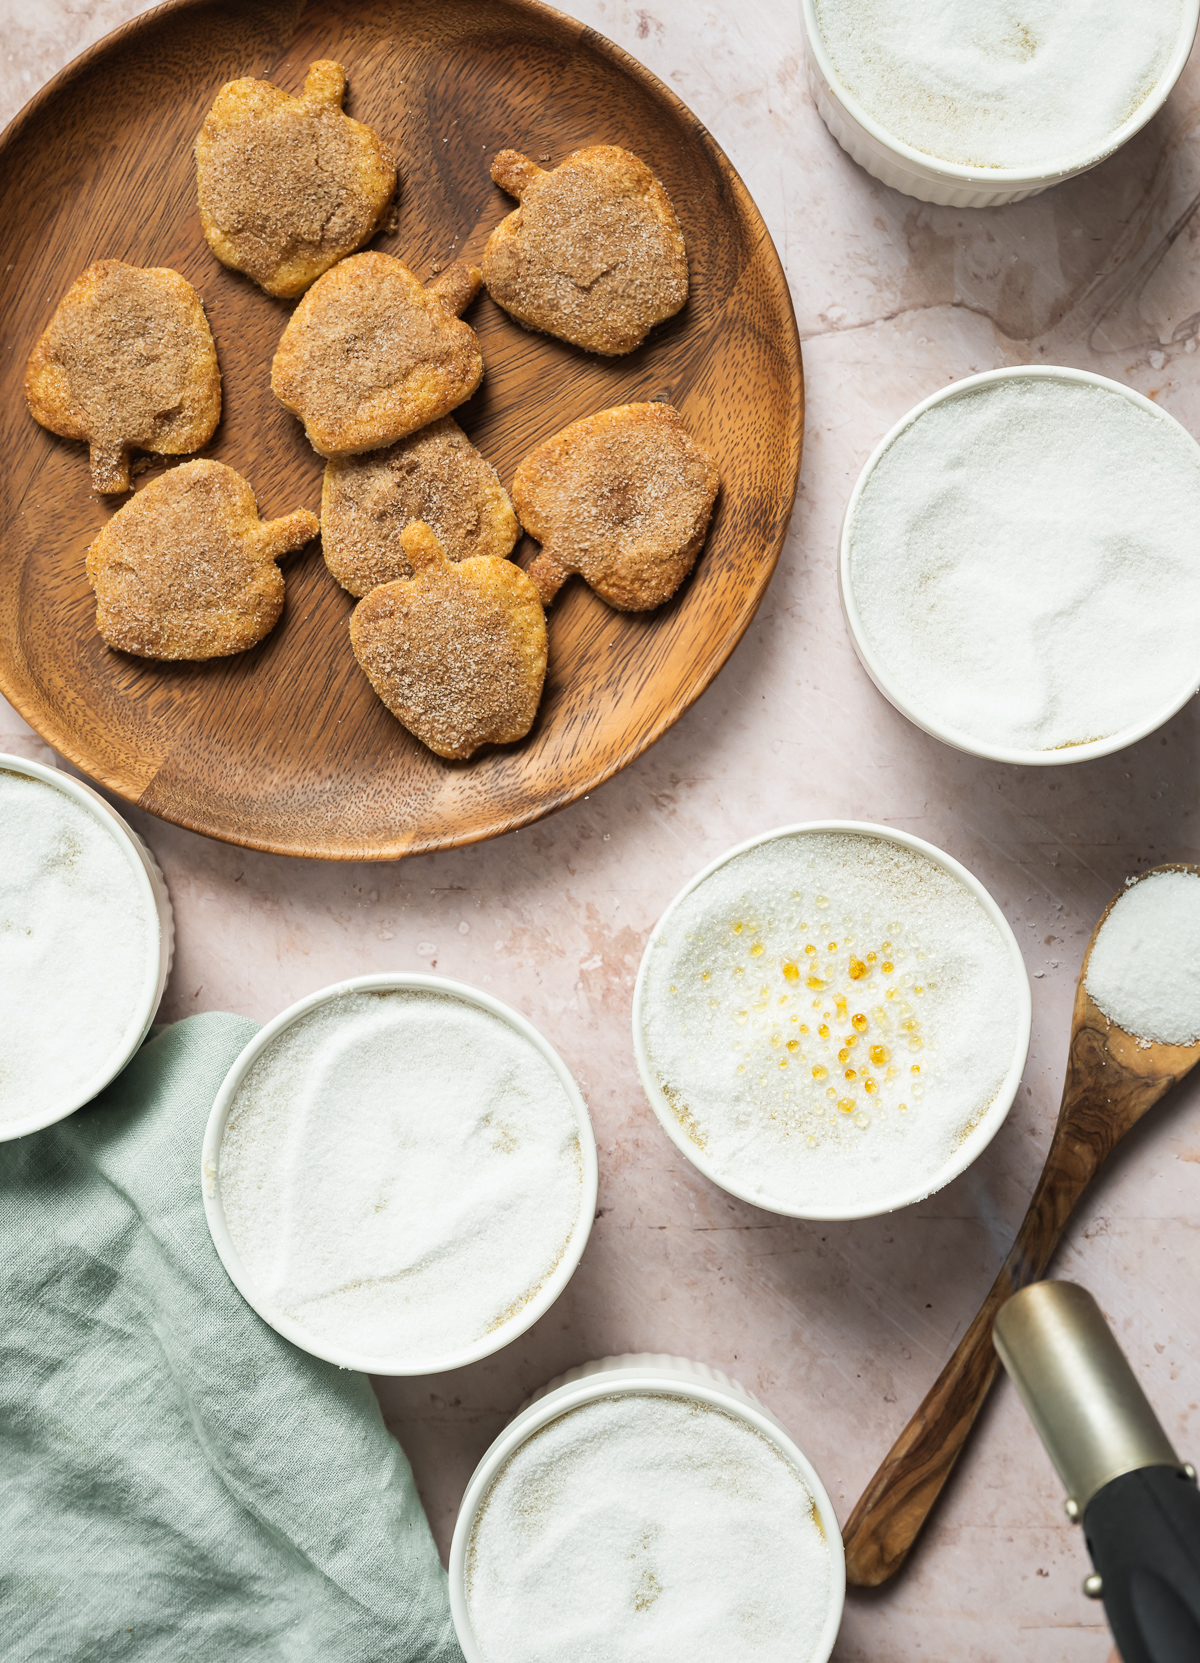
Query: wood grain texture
{"x": 1111, "y": 1082}
{"x": 286, "y": 748}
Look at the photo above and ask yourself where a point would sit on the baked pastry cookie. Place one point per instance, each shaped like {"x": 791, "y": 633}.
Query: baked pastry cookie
{"x": 186, "y": 569}
{"x": 594, "y": 254}
{"x": 457, "y": 652}
{"x": 127, "y": 362}
{"x": 623, "y": 498}
{"x": 436, "y": 476}
{"x": 370, "y": 354}
{"x": 289, "y": 186}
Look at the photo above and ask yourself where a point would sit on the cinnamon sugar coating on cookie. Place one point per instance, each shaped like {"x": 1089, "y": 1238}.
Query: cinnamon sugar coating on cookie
{"x": 435, "y": 475}
{"x": 370, "y": 354}
{"x": 186, "y": 569}
{"x": 127, "y": 362}
{"x": 594, "y": 254}
{"x": 623, "y": 498}
{"x": 289, "y": 186}
{"x": 457, "y": 652}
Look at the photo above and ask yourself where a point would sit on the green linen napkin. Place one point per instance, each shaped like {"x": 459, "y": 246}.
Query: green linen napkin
{"x": 176, "y": 1480}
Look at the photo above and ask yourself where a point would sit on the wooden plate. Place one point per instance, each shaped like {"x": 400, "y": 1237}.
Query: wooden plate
{"x": 286, "y": 748}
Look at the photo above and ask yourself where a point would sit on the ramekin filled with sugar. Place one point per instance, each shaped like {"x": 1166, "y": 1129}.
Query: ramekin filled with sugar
{"x": 972, "y": 106}
{"x": 831, "y": 1020}
{"x": 86, "y": 937}
{"x": 646, "y": 1510}
{"x": 1020, "y": 565}
{"x": 399, "y": 1174}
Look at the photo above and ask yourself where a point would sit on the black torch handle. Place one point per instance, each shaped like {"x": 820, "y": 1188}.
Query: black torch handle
{"x": 1143, "y": 1533}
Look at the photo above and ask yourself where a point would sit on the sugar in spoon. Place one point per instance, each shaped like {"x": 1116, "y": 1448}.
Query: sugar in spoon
{"x": 1112, "y": 1080}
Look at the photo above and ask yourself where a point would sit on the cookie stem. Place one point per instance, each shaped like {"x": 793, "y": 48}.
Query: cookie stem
{"x": 548, "y": 575}
{"x": 110, "y": 466}
{"x": 514, "y": 172}
{"x": 325, "y": 83}
{"x": 457, "y": 286}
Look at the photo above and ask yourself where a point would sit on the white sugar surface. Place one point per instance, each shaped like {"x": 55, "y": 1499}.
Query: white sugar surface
{"x": 1025, "y": 559}
{"x": 400, "y": 1173}
{"x": 829, "y": 1016}
{"x": 1144, "y": 967}
{"x": 1001, "y": 85}
{"x": 647, "y": 1529}
{"x": 78, "y": 950}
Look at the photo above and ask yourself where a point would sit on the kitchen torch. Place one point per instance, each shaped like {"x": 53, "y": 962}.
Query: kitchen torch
{"x": 1136, "y": 1500}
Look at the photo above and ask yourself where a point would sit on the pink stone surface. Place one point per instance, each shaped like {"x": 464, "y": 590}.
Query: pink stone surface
{"x": 840, "y": 1329}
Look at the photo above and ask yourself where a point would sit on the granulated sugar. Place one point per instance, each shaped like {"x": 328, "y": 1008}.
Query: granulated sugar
{"x": 1025, "y": 559}
{"x": 1001, "y": 85}
{"x": 400, "y": 1173}
{"x": 1144, "y": 967}
{"x": 78, "y": 950}
{"x": 829, "y": 1016}
{"x": 647, "y": 1529}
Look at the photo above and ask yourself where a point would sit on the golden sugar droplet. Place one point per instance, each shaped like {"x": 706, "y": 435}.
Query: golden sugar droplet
{"x": 742, "y": 1070}
{"x": 673, "y": 989}
{"x": 810, "y": 949}
{"x": 892, "y": 1072}
{"x": 803, "y": 1025}
{"x": 819, "y": 1071}
{"x": 775, "y": 1040}
{"x": 815, "y": 982}
{"x": 846, "y": 1104}
{"x": 833, "y": 946}
{"x": 823, "y": 1030}
{"x": 857, "y": 969}
{"x": 740, "y": 1018}
{"x": 793, "y": 1045}
{"x": 738, "y": 928}
{"x": 918, "y": 991}
{"x": 783, "y": 998}
{"x": 914, "y": 1043}
{"x": 844, "y": 1053}
{"x": 891, "y": 993}
{"x": 879, "y": 1055}
{"x": 904, "y": 1108}
{"x": 822, "y": 901}
{"x": 831, "y": 1092}
{"x": 915, "y": 1069}
{"x": 869, "y": 1084}
{"x": 885, "y": 946}
{"x": 851, "y": 1074}
{"x": 862, "y": 1120}
{"x": 706, "y": 975}
{"x": 851, "y": 1040}
{"x": 860, "y": 1022}
{"x": 791, "y": 971}
{"x": 871, "y": 958}
{"x": 783, "y": 1062}
{"x": 739, "y": 970}
{"x": 911, "y": 1026}
{"x": 888, "y": 967}
{"x": 756, "y": 950}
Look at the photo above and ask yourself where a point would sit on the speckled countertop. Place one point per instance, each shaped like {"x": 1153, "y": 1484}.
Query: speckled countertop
{"x": 839, "y": 1328}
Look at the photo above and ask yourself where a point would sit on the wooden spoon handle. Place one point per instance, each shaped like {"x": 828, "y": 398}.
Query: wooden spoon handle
{"x": 895, "y": 1504}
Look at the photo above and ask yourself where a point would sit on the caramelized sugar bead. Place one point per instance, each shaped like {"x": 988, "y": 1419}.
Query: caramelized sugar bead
{"x": 127, "y": 362}
{"x": 186, "y": 569}
{"x": 370, "y": 354}
{"x": 289, "y": 186}
{"x": 624, "y": 498}
{"x": 594, "y": 254}
{"x": 457, "y": 652}
{"x": 435, "y": 475}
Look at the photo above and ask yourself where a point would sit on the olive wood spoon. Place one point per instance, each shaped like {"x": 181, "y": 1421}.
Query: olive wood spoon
{"x": 1111, "y": 1082}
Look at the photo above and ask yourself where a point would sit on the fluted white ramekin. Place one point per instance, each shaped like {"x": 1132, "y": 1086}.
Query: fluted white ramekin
{"x": 877, "y": 671}
{"x": 160, "y": 945}
{"x": 989, "y": 1122}
{"x": 669, "y": 1377}
{"x": 895, "y": 163}
{"x": 505, "y": 1332}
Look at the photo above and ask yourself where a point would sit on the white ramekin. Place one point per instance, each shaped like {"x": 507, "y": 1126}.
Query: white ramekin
{"x": 160, "y": 948}
{"x": 895, "y": 163}
{"x": 283, "y": 1324}
{"x": 989, "y": 1123}
{"x": 611, "y": 1377}
{"x": 870, "y": 663}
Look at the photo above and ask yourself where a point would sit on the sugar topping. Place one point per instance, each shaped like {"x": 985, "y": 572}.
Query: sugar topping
{"x": 644, "y": 1528}
{"x": 829, "y": 1016}
{"x": 78, "y": 951}
{"x": 1025, "y": 559}
{"x": 1144, "y": 967}
{"x": 401, "y": 1174}
{"x": 1001, "y": 85}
